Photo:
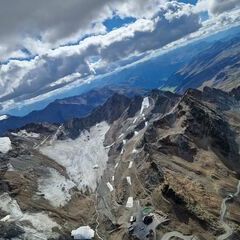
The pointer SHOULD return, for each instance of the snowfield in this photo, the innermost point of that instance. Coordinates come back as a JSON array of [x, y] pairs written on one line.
[[56, 188], [5, 144], [79, 156]]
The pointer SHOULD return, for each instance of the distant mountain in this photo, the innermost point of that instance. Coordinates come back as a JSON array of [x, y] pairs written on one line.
[[217, 66], [63, 110]]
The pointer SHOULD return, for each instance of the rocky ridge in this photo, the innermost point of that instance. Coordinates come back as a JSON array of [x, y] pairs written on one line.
[[178, 155]]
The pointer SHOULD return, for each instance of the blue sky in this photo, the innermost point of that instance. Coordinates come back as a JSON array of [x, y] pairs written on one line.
[[48, 49]]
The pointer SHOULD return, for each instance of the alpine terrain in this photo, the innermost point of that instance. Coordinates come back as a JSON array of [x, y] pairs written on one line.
[[159, 166]]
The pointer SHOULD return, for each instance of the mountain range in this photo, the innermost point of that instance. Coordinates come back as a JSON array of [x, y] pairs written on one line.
[[173, 158]]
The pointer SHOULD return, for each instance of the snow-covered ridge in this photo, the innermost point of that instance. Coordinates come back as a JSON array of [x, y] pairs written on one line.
[[5, 144], [79, 156]]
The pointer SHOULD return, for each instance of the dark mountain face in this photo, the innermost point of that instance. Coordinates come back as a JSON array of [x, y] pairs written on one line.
[[110, 111], [175, 156], [66, 109], [217, 66]]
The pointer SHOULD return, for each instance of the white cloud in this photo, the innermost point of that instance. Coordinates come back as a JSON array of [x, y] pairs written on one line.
[[36, 25], [55, 68], [216, 7]]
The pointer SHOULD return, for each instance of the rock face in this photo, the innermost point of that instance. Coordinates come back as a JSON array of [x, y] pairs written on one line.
[[174, 155]]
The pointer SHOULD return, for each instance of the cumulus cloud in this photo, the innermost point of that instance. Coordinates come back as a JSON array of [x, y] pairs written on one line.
[[25, 79], [53, 23]]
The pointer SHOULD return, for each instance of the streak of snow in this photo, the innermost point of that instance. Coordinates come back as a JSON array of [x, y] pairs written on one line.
[[145, 104], [121, 135], [129, 202], [6, 219], [110, 145], [55, 136], [146, 124], [110, 186], [3, 117], [84, 232], [130, 164], [122, 151], [42, 142], [56, 188], [116, 165], [135, 120], [5, 144], [80, 155], [113, 178], [124, 141], [129, 180]]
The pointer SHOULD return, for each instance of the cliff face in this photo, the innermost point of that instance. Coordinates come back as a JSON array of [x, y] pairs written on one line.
[[176, 156]]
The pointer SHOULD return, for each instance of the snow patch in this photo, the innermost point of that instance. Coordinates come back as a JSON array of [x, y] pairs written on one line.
[[80, 155], [6, 219], [3, 117], [134, 151], [146, 124], [145, 104], [10, 167], [130, 164], [9, 205], [84, 232], [41, 223], [113, 178], [129, 202], [116, 165], [129, 180], [135, 133], [56, 188], [5, 144], [110, 186]]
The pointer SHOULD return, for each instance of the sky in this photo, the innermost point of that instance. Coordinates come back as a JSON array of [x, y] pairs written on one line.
[[49, 47]]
